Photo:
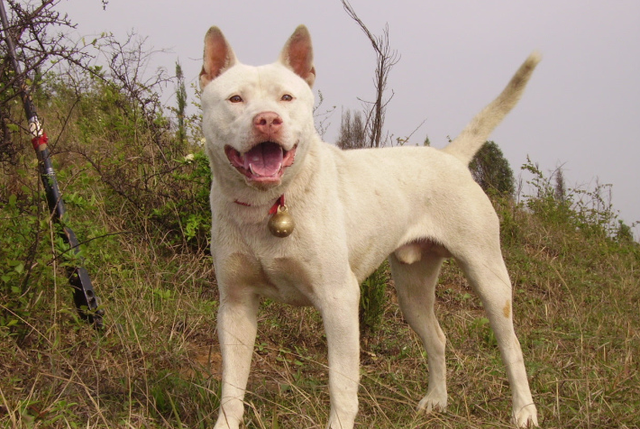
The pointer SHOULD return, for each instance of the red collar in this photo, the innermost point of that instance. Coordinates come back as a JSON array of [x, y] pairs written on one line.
[[274, 208]]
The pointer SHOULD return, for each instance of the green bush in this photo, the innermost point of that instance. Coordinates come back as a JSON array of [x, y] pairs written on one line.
[[373, 299]]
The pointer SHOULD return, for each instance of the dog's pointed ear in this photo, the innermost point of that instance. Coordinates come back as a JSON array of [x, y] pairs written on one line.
[[297, 55], [218, 56]]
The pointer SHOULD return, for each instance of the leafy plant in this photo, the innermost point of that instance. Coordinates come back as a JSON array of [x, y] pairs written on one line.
[[23, 257], [373, 299]]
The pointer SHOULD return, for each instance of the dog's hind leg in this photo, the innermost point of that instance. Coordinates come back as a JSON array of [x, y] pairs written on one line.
[[415, 284], [487, 274]]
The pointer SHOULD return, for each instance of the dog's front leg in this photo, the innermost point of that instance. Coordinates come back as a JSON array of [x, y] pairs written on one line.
[[237, 326], [339, 309]]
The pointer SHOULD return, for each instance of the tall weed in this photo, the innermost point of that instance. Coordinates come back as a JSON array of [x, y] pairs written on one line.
[[589, 211]]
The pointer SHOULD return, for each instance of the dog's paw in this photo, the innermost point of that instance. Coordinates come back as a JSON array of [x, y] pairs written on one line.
[[228, 423], [526, 417], [434, 401], [225, 425]]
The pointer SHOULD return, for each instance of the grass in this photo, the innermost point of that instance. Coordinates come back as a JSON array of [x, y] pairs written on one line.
[[157, 363]]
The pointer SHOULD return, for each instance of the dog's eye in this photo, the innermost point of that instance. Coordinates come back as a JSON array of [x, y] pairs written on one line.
[[235, 99], [287, 97]]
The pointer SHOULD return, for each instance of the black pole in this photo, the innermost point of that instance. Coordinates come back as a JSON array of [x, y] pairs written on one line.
[[84, 297]]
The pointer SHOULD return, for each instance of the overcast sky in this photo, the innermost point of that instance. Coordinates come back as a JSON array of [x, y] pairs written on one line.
[[581, 109]]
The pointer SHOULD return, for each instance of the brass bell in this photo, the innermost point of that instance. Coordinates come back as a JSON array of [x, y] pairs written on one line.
[[281, 223]]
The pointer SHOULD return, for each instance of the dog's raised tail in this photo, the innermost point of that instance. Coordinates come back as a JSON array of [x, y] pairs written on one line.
[[474, 135]]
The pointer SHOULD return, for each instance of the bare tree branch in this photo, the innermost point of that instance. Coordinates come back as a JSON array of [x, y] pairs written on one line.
[[386, 58], [31, 26]]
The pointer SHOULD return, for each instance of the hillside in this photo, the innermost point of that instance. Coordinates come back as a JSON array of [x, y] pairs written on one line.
[[136, 192]]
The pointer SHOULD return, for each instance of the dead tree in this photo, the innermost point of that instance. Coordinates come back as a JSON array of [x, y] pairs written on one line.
[[386, 58]]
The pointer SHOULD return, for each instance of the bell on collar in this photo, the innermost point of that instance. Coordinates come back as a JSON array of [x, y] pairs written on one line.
[[281, 223]]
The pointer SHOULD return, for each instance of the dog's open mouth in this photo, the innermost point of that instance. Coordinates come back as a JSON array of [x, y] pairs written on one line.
[[264, 163]]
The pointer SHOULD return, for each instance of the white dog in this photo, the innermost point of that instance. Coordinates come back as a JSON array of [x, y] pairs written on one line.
[[270, 167]]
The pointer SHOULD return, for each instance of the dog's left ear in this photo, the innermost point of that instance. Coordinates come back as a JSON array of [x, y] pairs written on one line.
[[297, 55]]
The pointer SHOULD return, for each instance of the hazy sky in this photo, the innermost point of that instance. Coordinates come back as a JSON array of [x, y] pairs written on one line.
[[581, 109]]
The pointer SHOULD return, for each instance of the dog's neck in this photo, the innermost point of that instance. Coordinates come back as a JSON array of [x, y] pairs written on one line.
[[274, 208]]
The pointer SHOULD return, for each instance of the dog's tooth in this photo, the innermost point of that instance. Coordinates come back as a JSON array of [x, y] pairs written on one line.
[[252, 170]]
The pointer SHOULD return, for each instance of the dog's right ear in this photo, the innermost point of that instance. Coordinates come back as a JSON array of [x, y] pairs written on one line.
[[218, 56]]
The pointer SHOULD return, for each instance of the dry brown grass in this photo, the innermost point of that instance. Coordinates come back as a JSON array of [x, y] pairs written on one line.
[[157, 362]]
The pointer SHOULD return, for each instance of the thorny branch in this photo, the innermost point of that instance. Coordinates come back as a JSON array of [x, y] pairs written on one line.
[[37, 50]]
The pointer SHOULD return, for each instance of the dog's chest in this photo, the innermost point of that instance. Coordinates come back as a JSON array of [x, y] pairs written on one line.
[[283, 279]]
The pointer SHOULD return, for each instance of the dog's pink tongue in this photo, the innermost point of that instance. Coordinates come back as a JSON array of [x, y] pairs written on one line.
[[264, 160]]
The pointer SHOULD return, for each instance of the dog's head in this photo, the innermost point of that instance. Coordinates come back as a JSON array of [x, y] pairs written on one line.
[[257, 120]]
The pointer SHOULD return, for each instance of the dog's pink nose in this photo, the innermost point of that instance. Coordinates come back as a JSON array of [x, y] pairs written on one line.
[[268, 123]]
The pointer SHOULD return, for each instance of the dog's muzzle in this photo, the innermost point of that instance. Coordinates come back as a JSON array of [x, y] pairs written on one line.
[[264, 163]]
